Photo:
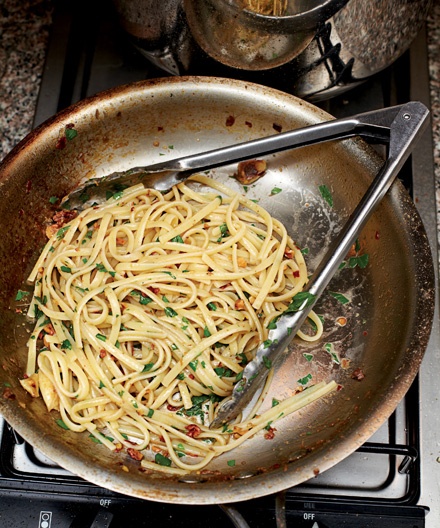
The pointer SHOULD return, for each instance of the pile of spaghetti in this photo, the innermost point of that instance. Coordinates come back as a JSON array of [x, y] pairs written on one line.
[[147, 309]]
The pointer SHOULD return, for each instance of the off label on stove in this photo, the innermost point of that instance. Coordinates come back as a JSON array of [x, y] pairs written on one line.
[[45, 519]]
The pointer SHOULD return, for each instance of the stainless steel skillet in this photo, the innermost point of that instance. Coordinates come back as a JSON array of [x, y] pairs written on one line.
[[386, 321]]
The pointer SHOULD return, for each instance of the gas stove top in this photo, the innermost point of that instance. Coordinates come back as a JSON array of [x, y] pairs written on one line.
[[391, 481]]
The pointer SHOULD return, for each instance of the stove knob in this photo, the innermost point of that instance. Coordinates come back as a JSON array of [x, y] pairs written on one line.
[[103, 519]]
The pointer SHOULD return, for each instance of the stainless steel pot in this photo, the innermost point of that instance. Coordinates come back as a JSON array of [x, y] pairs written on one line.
[[388, 318], [314, 49]]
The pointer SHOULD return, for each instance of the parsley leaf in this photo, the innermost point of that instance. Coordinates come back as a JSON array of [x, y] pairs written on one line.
[[339, 297], [301, 301], [20, 295], [326, 194], [162, 460]]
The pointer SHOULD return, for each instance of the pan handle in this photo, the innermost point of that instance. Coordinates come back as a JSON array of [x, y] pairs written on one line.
[[405, 129]]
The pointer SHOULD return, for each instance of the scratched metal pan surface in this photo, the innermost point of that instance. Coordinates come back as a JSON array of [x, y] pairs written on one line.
[[382, 330]]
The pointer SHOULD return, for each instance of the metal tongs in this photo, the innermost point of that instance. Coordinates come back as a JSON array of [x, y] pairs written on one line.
[[399, 126]]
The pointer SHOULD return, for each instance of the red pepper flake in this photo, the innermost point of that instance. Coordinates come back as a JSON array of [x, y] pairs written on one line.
[[64, 216], [28, 186], [135, 454], [193, 430], [230, 120], [102, 353], [358, 374], [270, 434], [191, 376], [296, 274], [289, 253], [248, 123], [160, 129], [61, 143], [365, 333], [339, 388], [277, 127], [172, 408], [316, 472], [377, 235], [8, 394], [154, 290]]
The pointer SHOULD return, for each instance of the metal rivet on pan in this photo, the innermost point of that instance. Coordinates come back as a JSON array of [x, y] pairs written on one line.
[[245, 475]]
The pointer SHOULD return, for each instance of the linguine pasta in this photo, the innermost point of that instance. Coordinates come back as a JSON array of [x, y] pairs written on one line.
[[147, 310]]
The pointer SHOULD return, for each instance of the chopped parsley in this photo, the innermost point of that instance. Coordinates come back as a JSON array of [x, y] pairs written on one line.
[[301, 301], [326, 194], [224, 372], [162, 460], [305, 379], [169, 312], [70, 133], [197, 403], [103, 269], [21, 295], [339, 297], [224, 232], [193, 364], [141, 297], [61, 232], [328, 347], [275, 190], [267, 362]]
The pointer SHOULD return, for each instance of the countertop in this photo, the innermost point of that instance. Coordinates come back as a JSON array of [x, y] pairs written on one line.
[[24, 33]]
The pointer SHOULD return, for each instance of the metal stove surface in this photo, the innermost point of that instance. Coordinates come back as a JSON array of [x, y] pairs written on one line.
[[392, 481]]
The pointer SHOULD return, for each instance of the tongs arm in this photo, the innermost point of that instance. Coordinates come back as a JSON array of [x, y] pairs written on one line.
[[374, 126], [407, 123]]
